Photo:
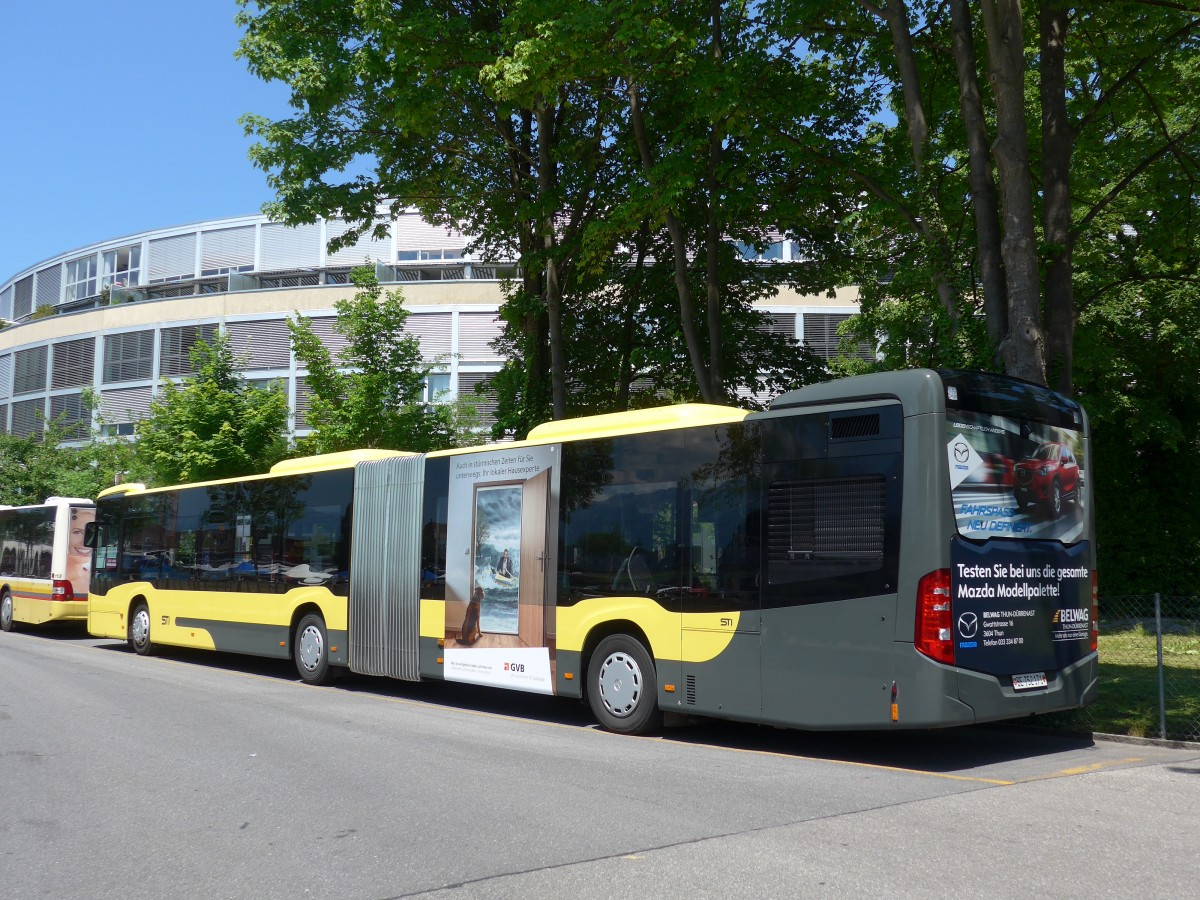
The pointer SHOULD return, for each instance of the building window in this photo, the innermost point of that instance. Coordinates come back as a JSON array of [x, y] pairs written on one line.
[[71, 416], [81, 278], [29, 370], [421, 255], [128, 357], [225, 270], [29, 418], [437, 388], [73, 363], [177, 344], [123, 266]]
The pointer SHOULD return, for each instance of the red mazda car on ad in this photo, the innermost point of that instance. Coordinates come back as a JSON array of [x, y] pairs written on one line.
[[1048, 477]]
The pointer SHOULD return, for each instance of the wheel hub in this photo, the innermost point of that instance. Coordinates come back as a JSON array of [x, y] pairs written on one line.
[[311, 648], [620, 684], [140, 627]]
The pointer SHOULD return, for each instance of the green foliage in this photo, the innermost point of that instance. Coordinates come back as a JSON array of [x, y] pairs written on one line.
[[372, 394], [39, 466], [511, 120], [212, 425]]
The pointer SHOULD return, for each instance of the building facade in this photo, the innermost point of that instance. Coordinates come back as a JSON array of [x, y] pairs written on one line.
[[119, 316]]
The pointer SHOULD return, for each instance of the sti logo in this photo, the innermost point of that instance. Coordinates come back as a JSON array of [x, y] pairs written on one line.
[[514, 667]]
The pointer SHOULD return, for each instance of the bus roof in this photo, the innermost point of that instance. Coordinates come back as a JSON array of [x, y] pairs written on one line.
[[303, 465], [919, 390], [52, 501], [658, 418]]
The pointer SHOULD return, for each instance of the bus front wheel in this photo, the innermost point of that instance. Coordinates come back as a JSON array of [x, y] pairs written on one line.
[[6, 612], [139, 630], [622, 686], [311, 650]]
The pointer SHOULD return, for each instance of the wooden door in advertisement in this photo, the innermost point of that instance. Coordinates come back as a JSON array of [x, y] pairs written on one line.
[[535, 499]]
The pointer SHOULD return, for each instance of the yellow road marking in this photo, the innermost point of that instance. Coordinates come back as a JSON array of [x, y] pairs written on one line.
[[1093, 767]]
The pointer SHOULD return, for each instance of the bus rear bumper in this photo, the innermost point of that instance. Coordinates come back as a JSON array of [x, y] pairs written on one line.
[[58, 611], [993, 699]]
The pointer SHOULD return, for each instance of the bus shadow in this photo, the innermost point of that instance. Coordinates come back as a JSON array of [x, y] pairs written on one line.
[[960, 750], [277, 669], [54, 631]]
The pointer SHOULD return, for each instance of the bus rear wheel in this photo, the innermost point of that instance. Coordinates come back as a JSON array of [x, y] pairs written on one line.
[[311, 651], [6, 612], [622, 686], [139, 630]]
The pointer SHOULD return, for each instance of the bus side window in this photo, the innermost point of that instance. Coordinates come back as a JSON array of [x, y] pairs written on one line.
[[141, 540]]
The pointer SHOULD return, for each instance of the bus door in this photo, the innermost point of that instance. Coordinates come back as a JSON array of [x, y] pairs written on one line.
[[831, 491], [720, 529]]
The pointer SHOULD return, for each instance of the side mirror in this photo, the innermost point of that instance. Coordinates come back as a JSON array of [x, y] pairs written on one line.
[[90, 532]]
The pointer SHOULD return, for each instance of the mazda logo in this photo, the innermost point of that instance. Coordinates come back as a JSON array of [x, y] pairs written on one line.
[[968, 624], [961, 452]]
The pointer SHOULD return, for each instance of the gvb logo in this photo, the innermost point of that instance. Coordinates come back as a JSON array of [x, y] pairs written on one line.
[[514, 667]]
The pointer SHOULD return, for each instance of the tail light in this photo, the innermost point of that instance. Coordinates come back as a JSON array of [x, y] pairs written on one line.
[[63, 591], [935, 628], [1095, 611]]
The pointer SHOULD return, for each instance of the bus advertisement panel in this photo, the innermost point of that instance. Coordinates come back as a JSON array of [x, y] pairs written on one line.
[[502, 506], [1021, 562]]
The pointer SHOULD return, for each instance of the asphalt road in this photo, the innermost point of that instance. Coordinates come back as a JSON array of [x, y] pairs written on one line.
[[206, 775]]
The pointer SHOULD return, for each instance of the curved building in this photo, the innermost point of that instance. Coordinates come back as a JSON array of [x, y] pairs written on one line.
[[120, 315]]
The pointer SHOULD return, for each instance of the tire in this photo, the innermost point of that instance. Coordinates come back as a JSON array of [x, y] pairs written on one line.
[[6, 612], [1055, 500], [310, 649], [139, 630], [622, 686]]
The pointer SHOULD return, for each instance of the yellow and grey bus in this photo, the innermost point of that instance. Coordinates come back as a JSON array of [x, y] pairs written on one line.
[[911, 549], [44, 562]]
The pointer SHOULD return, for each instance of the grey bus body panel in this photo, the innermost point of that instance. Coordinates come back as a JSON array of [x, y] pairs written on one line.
[[242, 637], [727, 687], [385, 568], [918, 390], [828, 665]]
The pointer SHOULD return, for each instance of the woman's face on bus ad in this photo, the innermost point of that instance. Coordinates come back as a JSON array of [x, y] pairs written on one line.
[[79, 557]]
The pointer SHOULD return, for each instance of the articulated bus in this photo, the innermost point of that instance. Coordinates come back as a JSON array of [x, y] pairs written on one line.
[[44, 562], [911, 549]]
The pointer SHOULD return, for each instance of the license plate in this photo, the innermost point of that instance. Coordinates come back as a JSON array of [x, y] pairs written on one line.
[[1028, 682]]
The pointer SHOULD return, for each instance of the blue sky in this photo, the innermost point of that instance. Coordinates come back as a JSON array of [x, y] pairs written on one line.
[[120, 118]]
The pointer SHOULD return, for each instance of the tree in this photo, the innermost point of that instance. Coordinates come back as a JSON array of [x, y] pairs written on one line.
[[399, 85], [975, 184], [213, 424], [373, 394], [526, 126], [40, 466]]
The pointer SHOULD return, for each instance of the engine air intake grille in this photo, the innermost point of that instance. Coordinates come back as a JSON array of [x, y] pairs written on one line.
[[854, 426]]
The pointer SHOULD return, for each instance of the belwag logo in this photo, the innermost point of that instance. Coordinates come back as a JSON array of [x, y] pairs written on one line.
[[1071, 616], [514, 667]]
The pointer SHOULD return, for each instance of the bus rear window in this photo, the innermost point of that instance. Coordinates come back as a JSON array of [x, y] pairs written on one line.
[[1016, 457]]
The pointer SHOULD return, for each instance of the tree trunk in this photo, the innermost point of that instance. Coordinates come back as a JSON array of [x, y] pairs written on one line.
[[551, 286], [712, 234], [983, 186], [629, 322], [1057, 143], [895, 13], [687, 310], [1023, 348]]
